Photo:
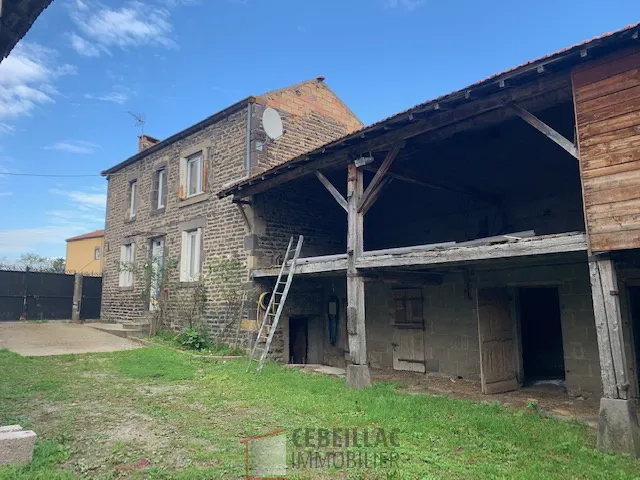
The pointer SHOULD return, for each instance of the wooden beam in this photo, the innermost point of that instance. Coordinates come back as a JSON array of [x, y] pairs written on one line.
[[245, 218], [460, 255], [332, 190], [545, 129], [443, 254], [447, 123], [377, 178], [357, 373], [402, 176], [606, 310], [374, 196]]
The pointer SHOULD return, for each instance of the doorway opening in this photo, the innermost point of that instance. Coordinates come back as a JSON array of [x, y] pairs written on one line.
[[542, 350], [298, 340], [634, 300]]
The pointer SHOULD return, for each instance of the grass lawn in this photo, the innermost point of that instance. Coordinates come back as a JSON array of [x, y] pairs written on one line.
[[159, 414]]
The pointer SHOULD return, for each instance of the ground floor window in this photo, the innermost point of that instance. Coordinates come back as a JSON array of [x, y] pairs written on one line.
[[190, 255], [127, 263]]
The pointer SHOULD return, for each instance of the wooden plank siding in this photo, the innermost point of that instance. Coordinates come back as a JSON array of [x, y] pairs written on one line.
[[606, 96]]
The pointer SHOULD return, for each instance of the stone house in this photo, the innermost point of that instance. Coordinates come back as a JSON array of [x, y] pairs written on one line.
[[161, 202], [490, 234]]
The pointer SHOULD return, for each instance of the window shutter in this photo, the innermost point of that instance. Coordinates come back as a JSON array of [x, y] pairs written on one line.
[[182, 187], [204, 174], [198, 252], [122, 274], [156, 189], [164, 187], [184, 258], [132, 263]]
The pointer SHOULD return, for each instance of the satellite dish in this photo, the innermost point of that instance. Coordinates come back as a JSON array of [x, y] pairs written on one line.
[[272, 123]]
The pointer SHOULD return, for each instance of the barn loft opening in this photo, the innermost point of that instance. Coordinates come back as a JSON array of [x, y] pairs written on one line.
[[492, 179]]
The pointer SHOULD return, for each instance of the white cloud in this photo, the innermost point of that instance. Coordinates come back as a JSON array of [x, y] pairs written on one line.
[[20, 240], [6, 129], [92, 199], [86, 48], [134, 24], [26, 79], [78, 146], [409, 5], [119, 94]]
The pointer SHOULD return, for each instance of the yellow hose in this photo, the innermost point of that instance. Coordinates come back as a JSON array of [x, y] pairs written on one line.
[[261, 303]]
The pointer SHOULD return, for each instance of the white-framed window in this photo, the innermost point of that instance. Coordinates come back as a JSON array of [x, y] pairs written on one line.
[[190, 255], [96, 253], [194, 175], [127, 263], [161, 188], [133, 198]]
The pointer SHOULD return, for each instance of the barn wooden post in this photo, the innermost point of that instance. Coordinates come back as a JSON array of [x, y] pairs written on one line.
[[618, 421], [358, 372]]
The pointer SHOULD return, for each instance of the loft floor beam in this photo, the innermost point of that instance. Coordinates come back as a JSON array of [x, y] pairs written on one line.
[[545, 129]]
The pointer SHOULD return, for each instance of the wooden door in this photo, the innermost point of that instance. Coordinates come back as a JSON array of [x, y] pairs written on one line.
[[497, 342], [408, 349], [408, 331]]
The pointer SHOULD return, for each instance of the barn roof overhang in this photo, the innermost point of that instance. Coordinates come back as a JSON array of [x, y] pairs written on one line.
[[16, 18], [447, 114]]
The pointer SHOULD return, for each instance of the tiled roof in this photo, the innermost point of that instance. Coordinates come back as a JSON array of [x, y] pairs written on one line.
[[84, 236], [608, 40]]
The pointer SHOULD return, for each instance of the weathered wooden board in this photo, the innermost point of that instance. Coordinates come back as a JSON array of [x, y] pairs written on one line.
[[607, 105], [497, 343]]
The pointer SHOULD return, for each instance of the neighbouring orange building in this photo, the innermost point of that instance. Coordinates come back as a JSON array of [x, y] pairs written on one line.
[[84, 253]]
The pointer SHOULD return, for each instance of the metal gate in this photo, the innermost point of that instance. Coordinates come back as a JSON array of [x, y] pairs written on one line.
[[45, 296], [91, 295]]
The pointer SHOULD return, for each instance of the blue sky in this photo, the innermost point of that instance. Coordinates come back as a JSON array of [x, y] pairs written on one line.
[[66, 89]]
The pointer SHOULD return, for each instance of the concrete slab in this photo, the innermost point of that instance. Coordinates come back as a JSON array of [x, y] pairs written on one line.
[[16, 445], [58, 338]]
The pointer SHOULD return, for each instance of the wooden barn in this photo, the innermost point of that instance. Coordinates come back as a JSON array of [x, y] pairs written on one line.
[[492, 234]]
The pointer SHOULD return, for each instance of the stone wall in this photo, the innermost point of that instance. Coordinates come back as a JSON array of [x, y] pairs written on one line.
[[312, 115], [224, 147], [451, 322]]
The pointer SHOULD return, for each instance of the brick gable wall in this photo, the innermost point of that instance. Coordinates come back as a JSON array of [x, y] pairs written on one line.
[[312, 115]]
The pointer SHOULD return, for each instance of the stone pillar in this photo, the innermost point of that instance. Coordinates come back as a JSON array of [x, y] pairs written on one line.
[[618, 429], [77, 298], [358, 375]]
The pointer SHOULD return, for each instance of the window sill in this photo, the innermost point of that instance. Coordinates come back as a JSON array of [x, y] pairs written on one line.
[[190, 283], [126, 289], [130, 219], [201, 197], [157, 211]]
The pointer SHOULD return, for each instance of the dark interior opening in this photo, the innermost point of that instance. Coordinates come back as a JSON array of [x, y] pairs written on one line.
[[298, 340], [481, 182], [542, 351], [634, 299]]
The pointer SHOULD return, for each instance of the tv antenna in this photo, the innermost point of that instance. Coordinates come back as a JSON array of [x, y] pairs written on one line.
[[139, 120]]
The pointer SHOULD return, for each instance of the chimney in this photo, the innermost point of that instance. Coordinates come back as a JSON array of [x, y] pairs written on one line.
[[145, 141]]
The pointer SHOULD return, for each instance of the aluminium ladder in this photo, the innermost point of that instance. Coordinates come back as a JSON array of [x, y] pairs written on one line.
[[276, 306]]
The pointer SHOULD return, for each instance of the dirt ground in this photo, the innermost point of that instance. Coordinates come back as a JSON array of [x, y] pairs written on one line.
[[553, 400], [58, 338]]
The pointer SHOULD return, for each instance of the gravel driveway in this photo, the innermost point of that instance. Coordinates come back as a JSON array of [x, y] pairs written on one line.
[[58, 338]]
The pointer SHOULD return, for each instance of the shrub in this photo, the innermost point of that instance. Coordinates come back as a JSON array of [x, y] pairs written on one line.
[[193, 339]]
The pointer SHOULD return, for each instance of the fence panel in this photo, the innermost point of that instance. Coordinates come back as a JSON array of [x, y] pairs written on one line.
[[45, 296]]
